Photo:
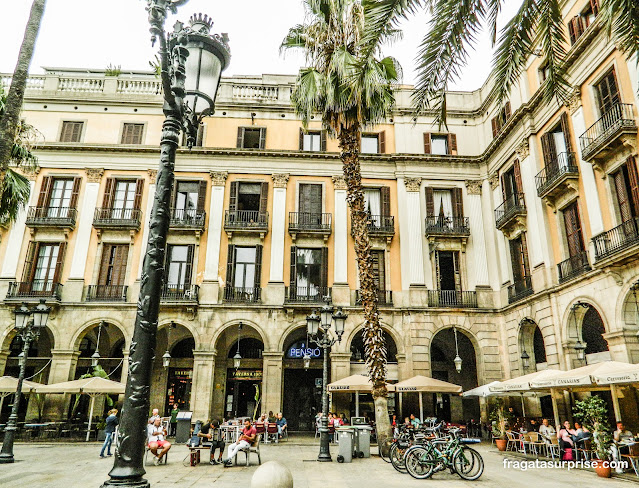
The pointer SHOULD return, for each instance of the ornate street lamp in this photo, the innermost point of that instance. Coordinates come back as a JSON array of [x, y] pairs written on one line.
[[580, 349], [457, 360], [166, 357], [28, 331], [95, 357], [237, 359], [192, 61], [318, 329], [525, 358]]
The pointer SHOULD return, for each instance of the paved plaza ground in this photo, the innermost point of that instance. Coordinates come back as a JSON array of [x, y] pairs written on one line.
[[72, 465]]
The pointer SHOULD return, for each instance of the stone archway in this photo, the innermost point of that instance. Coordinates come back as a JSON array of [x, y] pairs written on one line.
[[531, 342]]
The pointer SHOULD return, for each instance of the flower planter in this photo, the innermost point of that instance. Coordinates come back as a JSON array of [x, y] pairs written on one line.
[[501, 444], [601, 470]]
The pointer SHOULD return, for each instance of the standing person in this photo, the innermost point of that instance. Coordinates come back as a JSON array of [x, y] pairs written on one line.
[[247, 439], [173, 422], [211, 431], [157, 440], [111, 423]]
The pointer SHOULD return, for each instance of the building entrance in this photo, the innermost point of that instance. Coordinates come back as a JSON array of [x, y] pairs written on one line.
[[243, 393], [178, 389], [302, 398]]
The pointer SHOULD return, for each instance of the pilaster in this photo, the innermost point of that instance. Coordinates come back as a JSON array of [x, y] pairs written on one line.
[[211, 285], [16, 236], [63, 365], [272, 381], [340, 261], [278, 229], [202, 389]]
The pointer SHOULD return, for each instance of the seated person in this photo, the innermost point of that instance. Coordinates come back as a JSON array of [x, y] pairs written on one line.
[[622, 438], [211, 430], [546, 429], [247, 439], [281, 424], [581, 434], [407, 423], [564, 436], [271, 417], [154, 415], [157, 440], [415, 422]]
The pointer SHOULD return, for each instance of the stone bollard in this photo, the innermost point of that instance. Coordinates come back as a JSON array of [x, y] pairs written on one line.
[[272, 475]]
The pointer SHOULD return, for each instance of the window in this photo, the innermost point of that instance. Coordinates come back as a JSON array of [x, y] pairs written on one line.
[[251, 137], [440, 144], [373, 143], [43, 265], [444, 205], [132, 133], [543, 72], [58, 195], [519, 260], [309, 271], [579, 23], [312, 140], [500, 120], [377, 204], [556, 145], [179, 268], [243, 273], [626, 186], [572, 224], [511, 185], [379, 269], [122, 197], [310, 199], [199, 138], [113, 265], [608, 92], [71, 131], [447, 269]]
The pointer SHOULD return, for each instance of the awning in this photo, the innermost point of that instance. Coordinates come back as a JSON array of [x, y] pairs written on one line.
[[523, 383], [90, 386], [421, 383], [355, 383], [604, 373], [9, 384]]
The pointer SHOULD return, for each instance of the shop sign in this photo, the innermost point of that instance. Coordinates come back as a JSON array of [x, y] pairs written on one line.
[[246, 374], [300, 349]]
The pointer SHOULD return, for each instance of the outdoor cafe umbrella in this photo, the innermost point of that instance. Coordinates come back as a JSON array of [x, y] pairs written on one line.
[[94, 386], [357, 383], [521, 385], [420, 384], [9, 385]]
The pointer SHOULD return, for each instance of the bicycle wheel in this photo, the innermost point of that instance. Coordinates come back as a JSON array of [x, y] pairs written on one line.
[[419, 462], [385, 453], [468, 463], [397, 457]]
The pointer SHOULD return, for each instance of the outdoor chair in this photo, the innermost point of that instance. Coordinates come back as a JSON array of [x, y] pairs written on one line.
[[584, 447], [513, 443], [248, 450], [553, 447], [165, 458], [535, 442], [633, 457], [271, 433], [260, 428]]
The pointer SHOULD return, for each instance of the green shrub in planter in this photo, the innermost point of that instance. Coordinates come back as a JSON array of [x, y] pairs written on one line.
[[592, 412]]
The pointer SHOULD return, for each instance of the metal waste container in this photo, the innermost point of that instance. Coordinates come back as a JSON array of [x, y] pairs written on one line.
[[345, 439], [363, 440], [183, 428]]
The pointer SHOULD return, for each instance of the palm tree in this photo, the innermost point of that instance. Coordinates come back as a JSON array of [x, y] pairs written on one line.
[[349, 95], [536, 28]]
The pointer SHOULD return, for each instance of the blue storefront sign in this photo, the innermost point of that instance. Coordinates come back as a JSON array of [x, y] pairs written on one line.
[[300, 349]]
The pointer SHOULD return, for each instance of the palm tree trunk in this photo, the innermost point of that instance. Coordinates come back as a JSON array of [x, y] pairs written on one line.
[[9, 123], [373, 336]]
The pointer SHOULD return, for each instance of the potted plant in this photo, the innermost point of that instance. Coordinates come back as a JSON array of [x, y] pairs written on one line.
[[498, 422], [593, 414]]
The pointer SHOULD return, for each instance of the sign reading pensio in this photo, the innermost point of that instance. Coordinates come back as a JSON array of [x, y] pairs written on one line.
[[300, 349]]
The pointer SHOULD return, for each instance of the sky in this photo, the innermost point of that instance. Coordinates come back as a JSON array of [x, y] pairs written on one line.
[[97, 33]]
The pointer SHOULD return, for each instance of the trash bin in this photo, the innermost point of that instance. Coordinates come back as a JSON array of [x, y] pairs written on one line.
[[363, 442], [345, 445], [183, 429]]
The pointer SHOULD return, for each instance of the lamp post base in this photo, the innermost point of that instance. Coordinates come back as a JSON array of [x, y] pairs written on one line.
[[324, 452], [142, 483], [6, 458]]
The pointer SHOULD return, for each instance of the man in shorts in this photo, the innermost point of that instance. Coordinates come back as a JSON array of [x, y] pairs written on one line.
[[157, 440], [211, 431]]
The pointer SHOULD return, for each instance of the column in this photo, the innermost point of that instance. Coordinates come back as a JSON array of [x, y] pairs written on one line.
[[202, 388], [490, 232], [63, 364], [211, 285], [341, 291], [535, 224], [633, 70], [146, 217], [272, 381], [419, 281], [501, 239], [339, 367], [4, 355], [476, 254], [275, 290], [16, 235]]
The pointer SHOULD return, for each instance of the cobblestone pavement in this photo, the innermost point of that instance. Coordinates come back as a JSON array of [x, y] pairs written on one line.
[[78, 465]]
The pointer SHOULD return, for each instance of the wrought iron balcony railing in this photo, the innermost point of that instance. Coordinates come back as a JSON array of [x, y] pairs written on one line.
[[189, 218], [107, 293], [619, 118], [384, 297], [448, 226], [52, 217], [117, 218], [35, 288], [512, 206], [573, 266], [617, 239], [181, 293], [246, 220], [307, 294], [520, 290], [309, 222], [234, 294], [565, 164], [452, 299], [381, 224]]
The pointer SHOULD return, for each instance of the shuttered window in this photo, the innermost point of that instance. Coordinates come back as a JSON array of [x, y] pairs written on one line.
[[43, 264], [132, 133], [179, 266], [312, 140], [626, 183], [608, 92], [500, 120], [310, 198], [71, 131], [574, 235], [113, 264], [251, 137], [309, 270], [379, 269], [370, 144], [519, 258]]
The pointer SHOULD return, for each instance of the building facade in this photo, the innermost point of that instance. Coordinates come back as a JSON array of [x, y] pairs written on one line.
[[511, 236]]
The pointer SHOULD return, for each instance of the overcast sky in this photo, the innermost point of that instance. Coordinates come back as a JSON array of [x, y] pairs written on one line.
[[96, 33]]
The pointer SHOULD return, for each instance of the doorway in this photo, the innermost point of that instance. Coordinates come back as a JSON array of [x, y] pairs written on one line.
[[302, 398], [243, 394], [178, 389]]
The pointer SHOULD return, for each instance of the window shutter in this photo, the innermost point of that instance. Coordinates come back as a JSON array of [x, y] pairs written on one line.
[[594, 4], [503, 187], [240, 137], [45, 190], [452, 143], [233, 196], [174, 189], [548, 149], [27, 271], [230, 267], [507, 112], [382, 142], [293, 275], [515, 260], [301, 139], [633, 176], [573, 230], [430, 202], [76, 192], [139, 187], [427, 145], [201, 196], [572, 31], [457, 271], [565, 128], [323, 140], [119, 264], [579, 26], [103, 278], [188, 274], [458, 203], [524, 255], [622, 196], [109, 193], [57, 275], [495, 126], [517, 172], [324, 277], [262, 137], [258, 267], [199, 140], [264, 197], [384, 194]]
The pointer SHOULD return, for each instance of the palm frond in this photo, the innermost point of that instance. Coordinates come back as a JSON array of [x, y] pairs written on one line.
[[14, 196], [621, 18], [553, 42]]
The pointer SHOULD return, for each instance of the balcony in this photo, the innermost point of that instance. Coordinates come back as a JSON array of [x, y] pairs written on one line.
[[117, 218], [615, 130], [107, 293], [310, 224], [510, 216], [447, 227], [452, 299], [187, 219], [234, 294], [304, 294], [618, 244], [380, 226], [384, 298], [180, 294], [520, 290], [558, 182], [573, 267], [34, 289], [246, 222], [61, 217]]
